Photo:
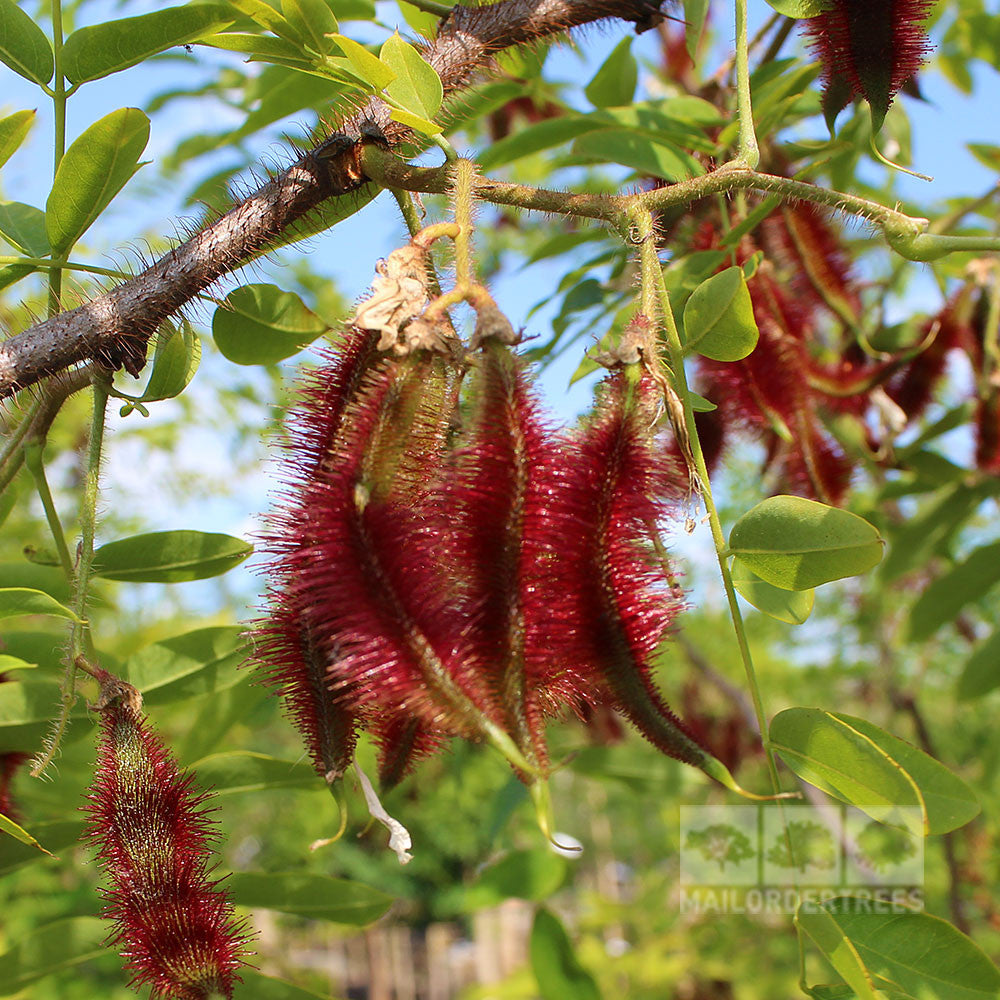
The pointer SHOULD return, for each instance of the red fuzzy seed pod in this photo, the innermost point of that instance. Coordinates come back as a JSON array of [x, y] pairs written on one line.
[[615, 602], [505, 478], [869, 49], [173, 923]]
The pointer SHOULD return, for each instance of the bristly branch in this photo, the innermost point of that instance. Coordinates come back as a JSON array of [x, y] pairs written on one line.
[[115, 327]]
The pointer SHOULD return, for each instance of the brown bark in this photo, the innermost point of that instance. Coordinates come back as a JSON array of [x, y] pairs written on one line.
[[115, 327]]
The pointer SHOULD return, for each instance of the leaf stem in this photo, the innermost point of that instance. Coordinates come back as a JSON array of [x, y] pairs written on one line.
[[79, 632], [749, 152], [33, 460], [45, 264], [675, 351]]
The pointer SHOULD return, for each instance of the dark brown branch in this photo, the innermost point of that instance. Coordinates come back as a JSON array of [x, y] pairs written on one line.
[[115, 328]]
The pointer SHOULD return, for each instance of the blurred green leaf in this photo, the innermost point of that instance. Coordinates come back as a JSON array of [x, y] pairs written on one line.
[[558, 971], [798, 8], [206, 660], [57, 835], [695, 12], [614, 83], [12, 829], [238, 771], [981, 673], [55, 946], [315, 897], [942, 601]]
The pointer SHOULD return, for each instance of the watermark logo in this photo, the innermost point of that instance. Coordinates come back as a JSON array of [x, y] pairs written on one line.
[[766, 858]]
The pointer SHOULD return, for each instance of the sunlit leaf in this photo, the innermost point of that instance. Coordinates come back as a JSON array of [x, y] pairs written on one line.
[[718, 318], [23, 45], [16, 601], [262, 325], [13, 131], [95, 168], [797, 544], [859, 763], [790, 606]]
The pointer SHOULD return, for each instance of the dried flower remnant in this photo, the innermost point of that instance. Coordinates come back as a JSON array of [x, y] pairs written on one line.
[[868, 49], [173, 923]]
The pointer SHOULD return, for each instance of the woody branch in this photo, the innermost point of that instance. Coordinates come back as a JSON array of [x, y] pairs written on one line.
[[115, 327]]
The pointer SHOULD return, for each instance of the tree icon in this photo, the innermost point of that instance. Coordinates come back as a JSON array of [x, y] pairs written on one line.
[[807, 845], [882, 847], [722, 843]]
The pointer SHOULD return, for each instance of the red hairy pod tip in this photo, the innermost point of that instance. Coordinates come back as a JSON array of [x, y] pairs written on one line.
[[173, 923], [868, 49]]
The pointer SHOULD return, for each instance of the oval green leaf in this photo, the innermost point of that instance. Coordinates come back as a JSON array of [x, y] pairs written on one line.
[[315, 897], [614, 83], [790, 606], [558, 971], [417, 87], [175, 360], [857, 762], [95, 168], [718, 318], [256, 986], [170, 556], [13, 131], [833, 942], [204, 661], [90, 53], [238, 771], [56, 946], [981, 673], [914, 953], [262, 325], [797, 544], [941, 602], [17, 601], [23, 227], [23, 45]]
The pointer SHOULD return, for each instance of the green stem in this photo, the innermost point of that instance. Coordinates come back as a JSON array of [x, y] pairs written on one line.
[[991, 331], [33, 459], [462, 194], [45, 264], [80, 630], [430, 7], [12, 454], [749, 152], [651, 263], [59, 144]]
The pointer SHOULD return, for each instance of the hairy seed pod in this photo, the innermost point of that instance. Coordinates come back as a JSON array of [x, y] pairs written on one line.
[[173, 923], [869, 49]]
